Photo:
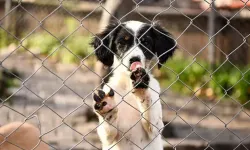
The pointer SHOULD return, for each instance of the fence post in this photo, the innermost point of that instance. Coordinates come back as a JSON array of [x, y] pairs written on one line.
[[7, 8], [211, 30]]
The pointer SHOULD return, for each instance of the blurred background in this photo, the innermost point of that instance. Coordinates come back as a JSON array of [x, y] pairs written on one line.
[[49, 70]]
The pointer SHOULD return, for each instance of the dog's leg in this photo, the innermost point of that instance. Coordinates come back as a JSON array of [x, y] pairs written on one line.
[[104, 107], [146, 90]]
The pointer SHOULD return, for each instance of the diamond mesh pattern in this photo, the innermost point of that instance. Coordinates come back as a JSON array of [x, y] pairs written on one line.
[[40, 105]]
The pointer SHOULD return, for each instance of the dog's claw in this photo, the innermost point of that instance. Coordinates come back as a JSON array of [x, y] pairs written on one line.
[[96, 97], [111, 93], [101, 94], [100, 98], [97, 106]]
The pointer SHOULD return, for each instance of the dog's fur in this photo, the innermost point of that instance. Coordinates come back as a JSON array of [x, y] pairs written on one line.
[[128, 105]]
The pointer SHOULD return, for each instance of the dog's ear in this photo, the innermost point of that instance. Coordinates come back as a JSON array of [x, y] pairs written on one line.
[[165, 45], [103, 44]]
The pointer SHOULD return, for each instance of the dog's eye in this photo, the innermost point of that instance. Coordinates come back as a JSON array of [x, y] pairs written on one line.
[[123, 40], [146, 41], [126, 38]]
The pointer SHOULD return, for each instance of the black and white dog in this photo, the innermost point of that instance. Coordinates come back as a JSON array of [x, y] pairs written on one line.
[[128, 106]]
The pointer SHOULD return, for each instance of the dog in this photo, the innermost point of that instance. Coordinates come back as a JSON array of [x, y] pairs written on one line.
[[128, 105]]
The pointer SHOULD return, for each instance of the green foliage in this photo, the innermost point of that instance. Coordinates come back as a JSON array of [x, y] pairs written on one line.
[[7, 38], [188, 74], [192, 75], [3, 39], [71, 24], [43, 42], [79, 45], [232, 82]]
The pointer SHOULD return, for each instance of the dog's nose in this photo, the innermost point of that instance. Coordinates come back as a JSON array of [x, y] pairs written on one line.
[[134, 59]]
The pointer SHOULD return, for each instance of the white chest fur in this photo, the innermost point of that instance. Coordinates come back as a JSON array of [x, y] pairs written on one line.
[[129, 126]]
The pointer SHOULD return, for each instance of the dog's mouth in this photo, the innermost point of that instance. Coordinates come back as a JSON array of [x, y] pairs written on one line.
[[135, 65], [135, 62]]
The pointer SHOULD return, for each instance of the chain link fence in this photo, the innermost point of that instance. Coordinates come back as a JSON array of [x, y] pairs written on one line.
[[209, 109]]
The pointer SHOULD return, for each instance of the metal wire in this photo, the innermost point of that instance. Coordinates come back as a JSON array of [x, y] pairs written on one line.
[[24, 82]]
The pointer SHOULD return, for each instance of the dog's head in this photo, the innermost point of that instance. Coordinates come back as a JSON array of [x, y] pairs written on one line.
[[131, 42]]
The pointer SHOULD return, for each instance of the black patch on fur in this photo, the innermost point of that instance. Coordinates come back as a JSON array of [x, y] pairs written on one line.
[[158, 41], [124, 41], [145, 35], [107, 76], [163, 43], [105, 51], [116, 41]]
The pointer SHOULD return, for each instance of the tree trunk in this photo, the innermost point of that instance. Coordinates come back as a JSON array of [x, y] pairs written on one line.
[[7, 8], [115, 9], [108, 12]]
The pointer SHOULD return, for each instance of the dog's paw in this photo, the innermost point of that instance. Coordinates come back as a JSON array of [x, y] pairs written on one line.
[[103, 102], [140, 78]]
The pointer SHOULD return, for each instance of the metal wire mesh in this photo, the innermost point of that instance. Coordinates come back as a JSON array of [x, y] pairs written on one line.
[[62, 118]]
